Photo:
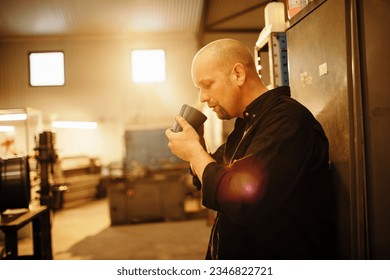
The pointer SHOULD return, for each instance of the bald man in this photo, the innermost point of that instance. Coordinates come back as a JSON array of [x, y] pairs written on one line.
[[269, 182]]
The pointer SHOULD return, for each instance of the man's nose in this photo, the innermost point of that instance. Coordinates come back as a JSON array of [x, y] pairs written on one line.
[[203, 96]]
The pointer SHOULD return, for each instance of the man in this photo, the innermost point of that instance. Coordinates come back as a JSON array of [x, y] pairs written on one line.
[[269, 182]]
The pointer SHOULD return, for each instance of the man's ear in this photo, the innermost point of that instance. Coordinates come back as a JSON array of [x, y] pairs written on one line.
[[239, 73]]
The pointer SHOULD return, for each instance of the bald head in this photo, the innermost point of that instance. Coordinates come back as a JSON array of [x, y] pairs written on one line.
[[224, 53], [226, 75]]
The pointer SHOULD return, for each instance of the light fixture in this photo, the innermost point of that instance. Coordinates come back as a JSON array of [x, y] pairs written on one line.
[[13, 117], [7, 128], [74, 124]]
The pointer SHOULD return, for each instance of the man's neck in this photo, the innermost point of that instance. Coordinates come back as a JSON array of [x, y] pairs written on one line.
[[254, 91]]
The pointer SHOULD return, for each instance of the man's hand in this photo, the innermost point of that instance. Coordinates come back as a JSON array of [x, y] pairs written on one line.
[[189, 146], [185, 143]]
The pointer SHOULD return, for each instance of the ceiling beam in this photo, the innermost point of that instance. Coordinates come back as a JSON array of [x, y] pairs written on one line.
[[203, 20], [210, 26]]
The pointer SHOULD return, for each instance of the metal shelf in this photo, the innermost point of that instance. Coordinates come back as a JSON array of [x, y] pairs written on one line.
[[271, 58]]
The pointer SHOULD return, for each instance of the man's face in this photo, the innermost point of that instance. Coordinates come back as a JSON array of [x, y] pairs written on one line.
[[215, 87]]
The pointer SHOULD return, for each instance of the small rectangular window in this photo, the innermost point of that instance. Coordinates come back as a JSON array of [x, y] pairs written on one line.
[[47, 69], [148, 66]]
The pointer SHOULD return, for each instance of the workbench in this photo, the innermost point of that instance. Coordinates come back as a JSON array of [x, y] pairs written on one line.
[[10, 224]]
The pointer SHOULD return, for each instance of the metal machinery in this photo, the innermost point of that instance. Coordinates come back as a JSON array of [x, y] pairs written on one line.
[[17, 211], [14, 183], [52, 182], [66, 181], [154, 184]]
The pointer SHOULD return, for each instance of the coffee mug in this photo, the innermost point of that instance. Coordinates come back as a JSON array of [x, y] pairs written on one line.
[[193, 116]]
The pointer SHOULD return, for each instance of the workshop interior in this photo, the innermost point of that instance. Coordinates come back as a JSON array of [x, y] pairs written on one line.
[[83, 117]]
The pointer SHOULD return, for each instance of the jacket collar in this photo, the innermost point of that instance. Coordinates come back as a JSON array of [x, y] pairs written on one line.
[[262, 102]]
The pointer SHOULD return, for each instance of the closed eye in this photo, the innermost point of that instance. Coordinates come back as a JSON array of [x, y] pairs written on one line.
[[206, 85]]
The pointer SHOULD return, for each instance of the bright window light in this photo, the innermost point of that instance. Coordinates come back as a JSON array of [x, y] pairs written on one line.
[[148, 66], [72, 124], [47, 69]]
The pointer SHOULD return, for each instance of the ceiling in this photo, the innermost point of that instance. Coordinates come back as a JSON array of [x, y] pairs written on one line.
[[31, 18]]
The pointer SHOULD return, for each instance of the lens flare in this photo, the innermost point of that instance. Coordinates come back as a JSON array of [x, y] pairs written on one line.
[[245, 184]]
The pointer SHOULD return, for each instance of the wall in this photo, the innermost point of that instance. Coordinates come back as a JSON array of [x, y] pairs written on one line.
[[375, 62], [98, 87]]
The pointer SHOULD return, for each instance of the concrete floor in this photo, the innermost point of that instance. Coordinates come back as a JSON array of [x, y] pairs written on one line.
[[86, 233]]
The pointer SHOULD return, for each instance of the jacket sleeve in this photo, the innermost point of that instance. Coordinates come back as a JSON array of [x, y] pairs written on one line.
[[218, 156]]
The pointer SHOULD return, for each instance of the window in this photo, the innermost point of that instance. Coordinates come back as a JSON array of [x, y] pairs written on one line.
[[47, 69], [148, 66]]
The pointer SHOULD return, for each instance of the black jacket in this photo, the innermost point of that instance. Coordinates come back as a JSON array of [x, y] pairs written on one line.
[[270, 185]]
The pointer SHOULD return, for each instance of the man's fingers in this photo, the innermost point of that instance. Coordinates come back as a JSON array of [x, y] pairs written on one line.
[[182, 122], [168, 132]]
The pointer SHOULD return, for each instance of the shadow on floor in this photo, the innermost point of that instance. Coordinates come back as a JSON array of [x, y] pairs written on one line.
[[181, 240]]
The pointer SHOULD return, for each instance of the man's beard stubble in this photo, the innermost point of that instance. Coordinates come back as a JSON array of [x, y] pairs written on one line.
[[222, 113]]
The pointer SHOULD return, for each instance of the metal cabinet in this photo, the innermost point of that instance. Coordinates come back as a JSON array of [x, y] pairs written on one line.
[[337, 67], [155, 197]]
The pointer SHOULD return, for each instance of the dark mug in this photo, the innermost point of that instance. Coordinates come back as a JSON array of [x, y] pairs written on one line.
[[193, 116]]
